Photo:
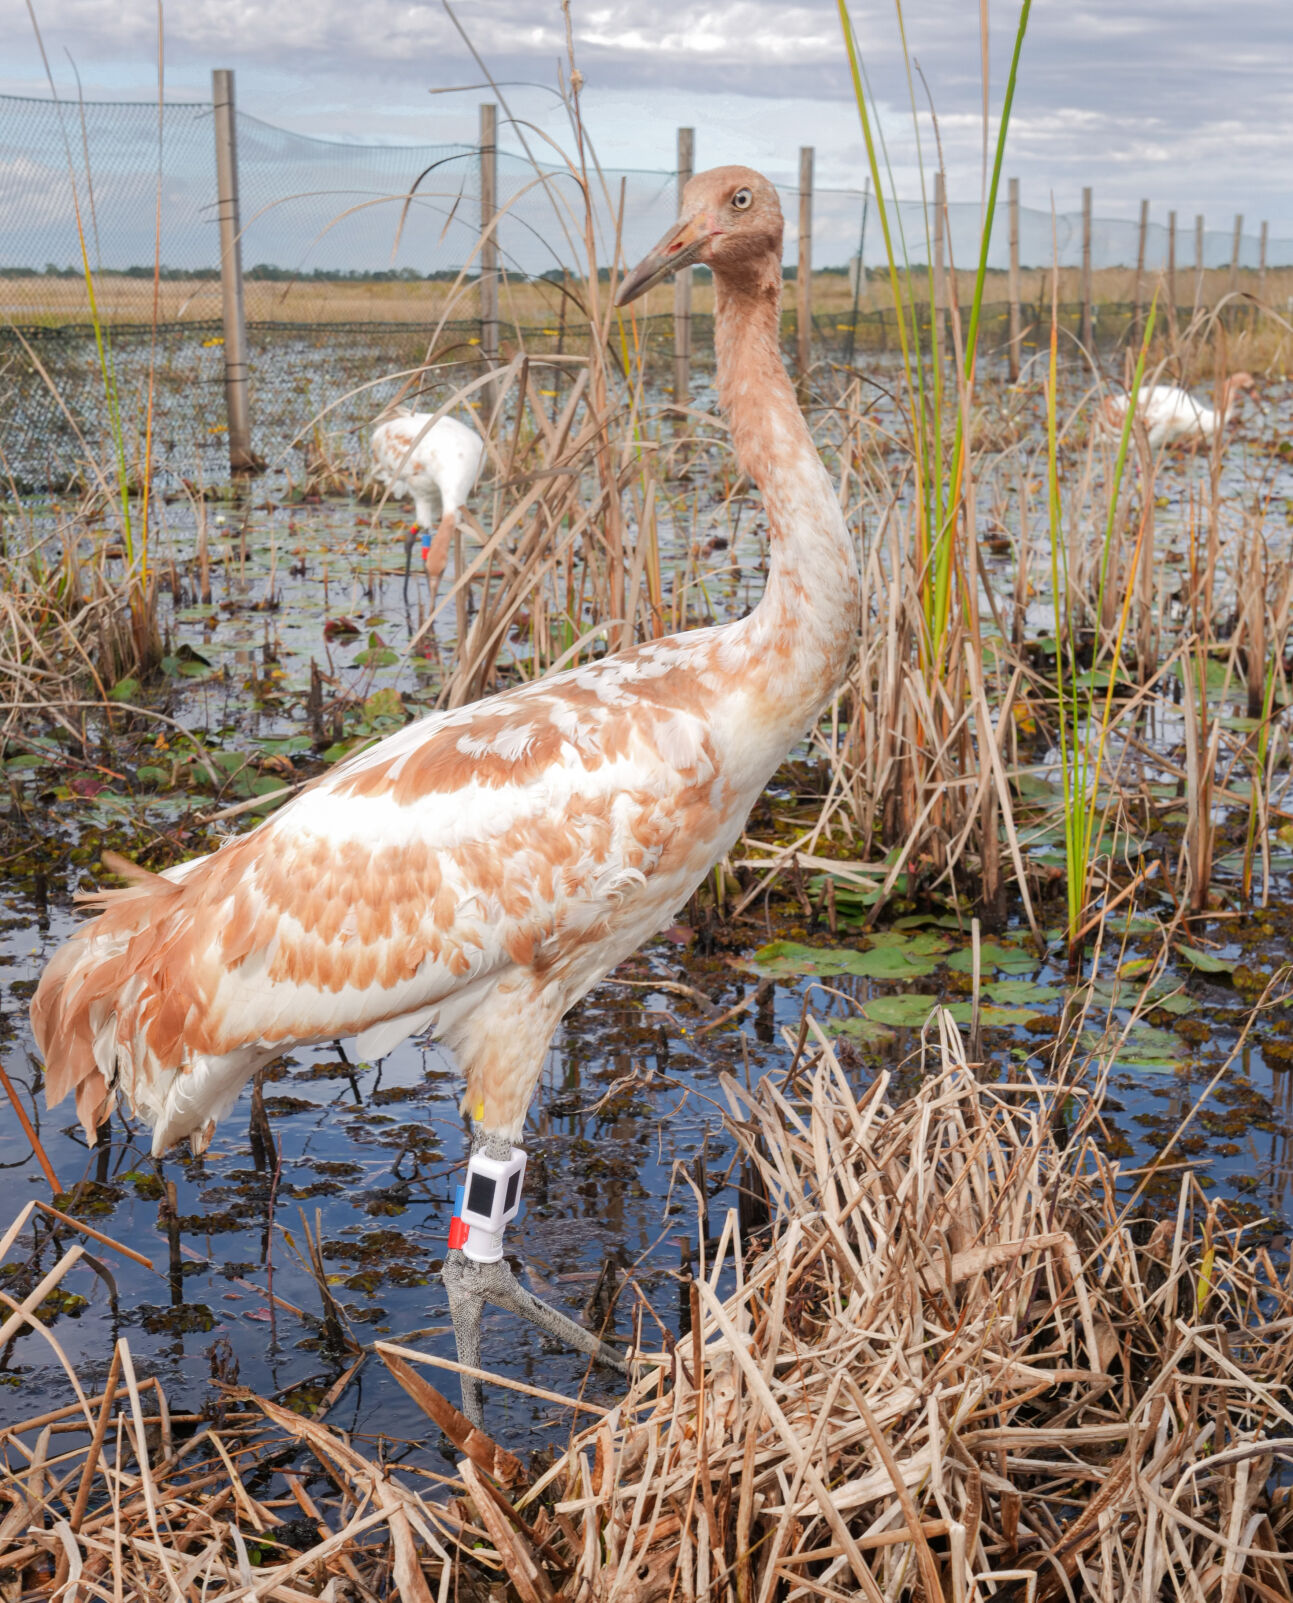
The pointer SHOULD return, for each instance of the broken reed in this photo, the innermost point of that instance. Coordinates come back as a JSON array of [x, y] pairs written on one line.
[[954, 1361]]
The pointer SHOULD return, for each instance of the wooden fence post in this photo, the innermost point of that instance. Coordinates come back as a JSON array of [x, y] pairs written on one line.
[[242, 459], [1171, 277], [1234, 252], [804, 281], [1198, 262], [859, 281], [938, 268], [682, 285], [1015, 325], [1139, 297], [1261, 262], [1088, 330], [489, 242]]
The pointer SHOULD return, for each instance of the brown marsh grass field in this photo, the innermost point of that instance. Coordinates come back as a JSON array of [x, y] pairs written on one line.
[[52, 302]]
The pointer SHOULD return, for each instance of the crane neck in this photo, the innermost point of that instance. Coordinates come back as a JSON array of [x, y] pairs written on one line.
[[803, 630]]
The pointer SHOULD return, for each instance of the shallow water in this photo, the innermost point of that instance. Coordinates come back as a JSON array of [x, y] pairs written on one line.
[[631, 1092]]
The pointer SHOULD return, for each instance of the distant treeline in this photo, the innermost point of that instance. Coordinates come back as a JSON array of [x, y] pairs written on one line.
[[266, 272], [263, 271]]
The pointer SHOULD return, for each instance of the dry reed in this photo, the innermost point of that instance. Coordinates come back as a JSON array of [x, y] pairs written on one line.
[[952, 1366]]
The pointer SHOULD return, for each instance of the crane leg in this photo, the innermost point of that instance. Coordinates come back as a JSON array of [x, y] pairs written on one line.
[[409, 539], [475, 1271]]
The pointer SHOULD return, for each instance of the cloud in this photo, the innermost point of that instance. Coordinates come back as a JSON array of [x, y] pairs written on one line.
[[1191, 106]]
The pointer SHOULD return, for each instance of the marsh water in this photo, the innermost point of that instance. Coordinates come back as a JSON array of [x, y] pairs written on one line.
[[627, 1125]]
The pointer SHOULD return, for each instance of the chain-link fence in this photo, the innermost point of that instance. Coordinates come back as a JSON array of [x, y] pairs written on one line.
[[351, 253]]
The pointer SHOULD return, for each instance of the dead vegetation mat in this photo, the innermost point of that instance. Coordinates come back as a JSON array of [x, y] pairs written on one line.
[[955, 1364]]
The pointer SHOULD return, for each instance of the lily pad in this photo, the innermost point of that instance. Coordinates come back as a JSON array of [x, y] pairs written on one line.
[[1009, 959], [1013, 992], [285, 748], [912, 1008], [385, 704], [907, 1011], [1144, 1048], [1110, 993], [1178, 1003], [1205, 962], [861, 1030], [788, 959], [922, 944]]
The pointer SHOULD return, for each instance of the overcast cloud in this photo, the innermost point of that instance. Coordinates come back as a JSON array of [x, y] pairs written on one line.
[[1189, 103]]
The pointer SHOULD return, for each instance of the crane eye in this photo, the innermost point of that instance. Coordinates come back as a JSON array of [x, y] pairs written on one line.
[[743, 199]]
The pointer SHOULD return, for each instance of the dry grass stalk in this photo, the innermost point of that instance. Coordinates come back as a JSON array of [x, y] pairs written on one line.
[[948, 1373], [948, 1370]]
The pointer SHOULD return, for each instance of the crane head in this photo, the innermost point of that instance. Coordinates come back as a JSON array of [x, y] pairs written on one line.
[[731, 221]]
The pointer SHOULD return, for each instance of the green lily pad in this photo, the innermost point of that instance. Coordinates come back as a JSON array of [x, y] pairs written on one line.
[[1009, 959], [285, 748], [1178, 1003], [1012, 992], [1000, 1018], [385, 704], [907, 1011], [1205, 962], [922, 944], [943, 921], [847, 894], [861, 1030], [1133, 924], [1121, 991], [910, 1010], [1144, 1047], [789, 959]]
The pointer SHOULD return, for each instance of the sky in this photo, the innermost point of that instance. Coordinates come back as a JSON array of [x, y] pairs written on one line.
[[1189, 104]]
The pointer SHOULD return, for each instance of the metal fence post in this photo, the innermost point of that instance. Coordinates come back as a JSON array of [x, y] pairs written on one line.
[[1234, 252], [682, 285], [242, 459], [1015, 325], [1139, 297], [804, 280], [489, 241], [1087, 326]]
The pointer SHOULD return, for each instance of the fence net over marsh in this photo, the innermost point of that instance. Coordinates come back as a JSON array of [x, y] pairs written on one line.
[[351, 252]]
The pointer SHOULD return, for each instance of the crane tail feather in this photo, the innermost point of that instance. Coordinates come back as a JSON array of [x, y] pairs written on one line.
[[88, 1011]]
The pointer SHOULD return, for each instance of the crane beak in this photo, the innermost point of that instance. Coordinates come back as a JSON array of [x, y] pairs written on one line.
[[680, 247]]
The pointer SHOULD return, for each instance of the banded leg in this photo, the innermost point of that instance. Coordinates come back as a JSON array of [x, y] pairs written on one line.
[[475, 1271]]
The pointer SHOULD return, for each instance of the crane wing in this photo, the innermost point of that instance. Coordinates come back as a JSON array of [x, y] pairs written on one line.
[[503, 835]]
